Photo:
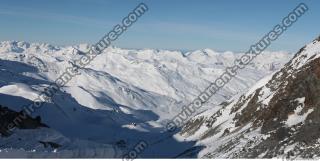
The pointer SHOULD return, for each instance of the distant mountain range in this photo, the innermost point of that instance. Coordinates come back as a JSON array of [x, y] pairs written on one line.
[[125, 96]]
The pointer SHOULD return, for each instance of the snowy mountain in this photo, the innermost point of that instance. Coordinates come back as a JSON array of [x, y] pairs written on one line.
[[276, 118], [122, 96]]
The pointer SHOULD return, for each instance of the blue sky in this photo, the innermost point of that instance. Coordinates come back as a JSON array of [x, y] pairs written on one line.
[[169, 24]]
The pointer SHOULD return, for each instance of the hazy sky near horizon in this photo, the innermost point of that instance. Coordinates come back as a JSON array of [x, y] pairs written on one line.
[[176, 24]]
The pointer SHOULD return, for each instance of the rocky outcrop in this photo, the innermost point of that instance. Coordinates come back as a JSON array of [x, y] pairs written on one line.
[[10, 119]]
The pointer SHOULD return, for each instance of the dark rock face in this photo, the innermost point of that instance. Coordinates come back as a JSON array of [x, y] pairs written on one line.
[[10, 119], [305, 83]]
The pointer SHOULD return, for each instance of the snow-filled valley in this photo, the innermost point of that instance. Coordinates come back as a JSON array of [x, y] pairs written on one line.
[[123, 96]]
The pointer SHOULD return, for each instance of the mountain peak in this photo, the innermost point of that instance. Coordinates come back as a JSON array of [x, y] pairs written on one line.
[[306, 54]]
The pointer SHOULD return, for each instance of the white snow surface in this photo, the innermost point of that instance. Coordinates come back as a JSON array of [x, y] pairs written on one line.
[[298, 116], [124, 94]]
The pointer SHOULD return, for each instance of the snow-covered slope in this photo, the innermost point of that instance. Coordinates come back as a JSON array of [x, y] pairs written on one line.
[[277, 117], [123, 93]]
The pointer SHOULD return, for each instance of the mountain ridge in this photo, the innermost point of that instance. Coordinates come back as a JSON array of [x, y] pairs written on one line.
[[277, 118]]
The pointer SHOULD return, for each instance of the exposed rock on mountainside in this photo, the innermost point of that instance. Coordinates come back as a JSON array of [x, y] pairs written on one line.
[[278, 117], [12, 119]]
